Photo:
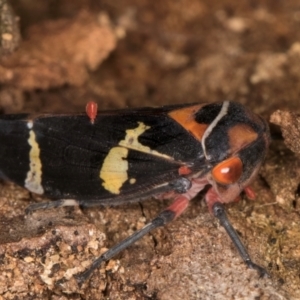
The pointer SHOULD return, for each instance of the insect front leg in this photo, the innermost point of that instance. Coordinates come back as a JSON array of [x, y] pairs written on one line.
[[218, 210], [220, 214]]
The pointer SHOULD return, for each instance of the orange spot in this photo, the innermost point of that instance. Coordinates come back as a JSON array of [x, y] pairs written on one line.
[[228, 171], [186, 118], [184, 170], [91, 110], [240, 136]]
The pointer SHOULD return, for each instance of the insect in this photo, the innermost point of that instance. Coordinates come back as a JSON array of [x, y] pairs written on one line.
[[122, 156]]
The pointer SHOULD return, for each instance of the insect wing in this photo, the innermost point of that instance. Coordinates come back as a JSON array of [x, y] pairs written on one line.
[[124, 154]]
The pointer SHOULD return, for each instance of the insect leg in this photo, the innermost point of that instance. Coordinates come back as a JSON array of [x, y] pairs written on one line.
[[166, 216], [51, 204], [219, 212], [250, 192]]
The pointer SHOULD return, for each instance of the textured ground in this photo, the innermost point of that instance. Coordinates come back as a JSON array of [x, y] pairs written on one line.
[[135, 53]]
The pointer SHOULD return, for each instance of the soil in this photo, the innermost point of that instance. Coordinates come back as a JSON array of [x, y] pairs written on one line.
[[133, 53]]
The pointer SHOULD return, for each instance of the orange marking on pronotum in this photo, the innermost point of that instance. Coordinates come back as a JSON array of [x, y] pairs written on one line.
[[91, 110], [240, 136], [186, 118]]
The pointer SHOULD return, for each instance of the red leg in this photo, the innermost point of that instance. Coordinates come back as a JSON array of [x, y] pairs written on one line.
[[250, 193], [211, 198], [166, 216], [179, 205]]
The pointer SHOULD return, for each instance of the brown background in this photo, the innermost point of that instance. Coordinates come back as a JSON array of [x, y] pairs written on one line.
[[147, 53]]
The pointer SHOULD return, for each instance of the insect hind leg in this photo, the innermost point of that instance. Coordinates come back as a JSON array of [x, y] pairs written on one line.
[[51, 204], [166, 216]]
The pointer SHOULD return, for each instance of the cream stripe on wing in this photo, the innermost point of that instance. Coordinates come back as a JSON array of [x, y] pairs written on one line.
[[33, 181]]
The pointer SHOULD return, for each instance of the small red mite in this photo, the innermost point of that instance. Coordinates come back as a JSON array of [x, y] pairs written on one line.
[[91, 110]]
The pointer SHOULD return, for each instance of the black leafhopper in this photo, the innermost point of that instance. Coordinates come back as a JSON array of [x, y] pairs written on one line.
[[120, 156]]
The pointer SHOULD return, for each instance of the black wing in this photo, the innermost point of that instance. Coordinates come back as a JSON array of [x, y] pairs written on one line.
[[125, 154]]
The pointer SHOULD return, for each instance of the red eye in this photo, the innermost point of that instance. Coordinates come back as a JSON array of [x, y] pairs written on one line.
[[228, 171]]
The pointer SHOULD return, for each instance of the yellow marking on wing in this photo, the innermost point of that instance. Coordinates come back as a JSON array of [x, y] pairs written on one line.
[[115, 166], [131, 141], [33, 181], [132, 180], [114, 169]]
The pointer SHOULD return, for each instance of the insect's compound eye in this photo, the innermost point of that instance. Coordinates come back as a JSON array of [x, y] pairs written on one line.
[[228, 171]]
